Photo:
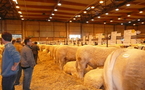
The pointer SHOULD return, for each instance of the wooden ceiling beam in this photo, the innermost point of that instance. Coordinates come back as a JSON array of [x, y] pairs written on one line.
[[139, 3], [73, 3], [61, 16], [64, 13], [37, 19], [32, 11], [132, 9], [31, 16], [67, 9], [59, 19], [132, 14], [35, 6], [41, 1]]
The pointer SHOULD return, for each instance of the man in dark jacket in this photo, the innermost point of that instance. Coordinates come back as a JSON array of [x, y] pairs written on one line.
[[27, 63], [35, 50]]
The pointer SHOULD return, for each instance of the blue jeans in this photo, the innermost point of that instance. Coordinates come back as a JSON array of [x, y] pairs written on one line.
[[8, 82], [18, 75], [27, 78]]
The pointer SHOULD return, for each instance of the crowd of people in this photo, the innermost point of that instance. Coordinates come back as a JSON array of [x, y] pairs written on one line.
[[17, 56]]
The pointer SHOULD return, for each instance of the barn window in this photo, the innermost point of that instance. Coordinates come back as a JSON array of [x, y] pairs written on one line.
[[16, 36], [74, 36]]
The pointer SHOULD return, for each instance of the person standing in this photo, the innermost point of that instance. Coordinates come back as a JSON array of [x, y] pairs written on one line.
[[10, 62], [35, 50], [18, 47], [13, 41], [27, 63]]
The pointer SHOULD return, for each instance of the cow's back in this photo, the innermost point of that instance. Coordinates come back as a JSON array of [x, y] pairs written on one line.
[[127, 72], [131, 67]]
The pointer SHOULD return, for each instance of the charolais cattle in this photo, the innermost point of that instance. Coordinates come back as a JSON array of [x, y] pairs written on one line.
[[124, 70]]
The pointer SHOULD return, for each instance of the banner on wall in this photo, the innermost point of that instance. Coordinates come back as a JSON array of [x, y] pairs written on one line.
[[127, 36], [114, 37], [84, 39], [90, 40], [99, 36]]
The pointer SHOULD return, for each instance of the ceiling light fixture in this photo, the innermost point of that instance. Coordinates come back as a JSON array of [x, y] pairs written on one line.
[[99, 17], [92, 19], [129, 22], [19, 12], [53, 14], [50, 17], [106, 13], [59, 4], [87, 21], [128, 15], [85, 12], [134, 24], [78, 15], [55, 9], [70, 21], [111, 20], [138, 19], [128, 5], [119, 18], [142, 22], [17, 7], [88, 8], [117, 9], [101, 1], [92, 7], [104, 22], [74, 18], [15, 1], [121, 23], [21, 15], [22, 18], [48, 20], [141, 11]]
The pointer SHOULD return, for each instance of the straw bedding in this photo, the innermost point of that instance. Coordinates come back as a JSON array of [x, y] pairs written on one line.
[[48, 76]]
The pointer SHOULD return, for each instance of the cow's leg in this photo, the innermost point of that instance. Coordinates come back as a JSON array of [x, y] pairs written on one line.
[[80, 66], [62, 62]]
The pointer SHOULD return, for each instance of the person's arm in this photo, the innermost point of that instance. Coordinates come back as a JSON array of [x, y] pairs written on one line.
[[14, 67], [16, 59]]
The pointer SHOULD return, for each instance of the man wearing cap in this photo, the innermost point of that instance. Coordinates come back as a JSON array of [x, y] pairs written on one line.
[[10, 61]]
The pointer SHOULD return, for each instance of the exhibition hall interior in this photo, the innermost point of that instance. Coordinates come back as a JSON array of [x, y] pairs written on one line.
[[83, 44]]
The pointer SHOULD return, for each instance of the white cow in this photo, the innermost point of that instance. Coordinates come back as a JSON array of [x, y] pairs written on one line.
[[70, 68], [65, 53], [94, 78], [92, 56], [124, 70]]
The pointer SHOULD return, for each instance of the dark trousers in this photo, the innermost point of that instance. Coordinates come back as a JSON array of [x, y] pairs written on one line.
[[27, 78], [18, 75], [8, 82], [35, 57]]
